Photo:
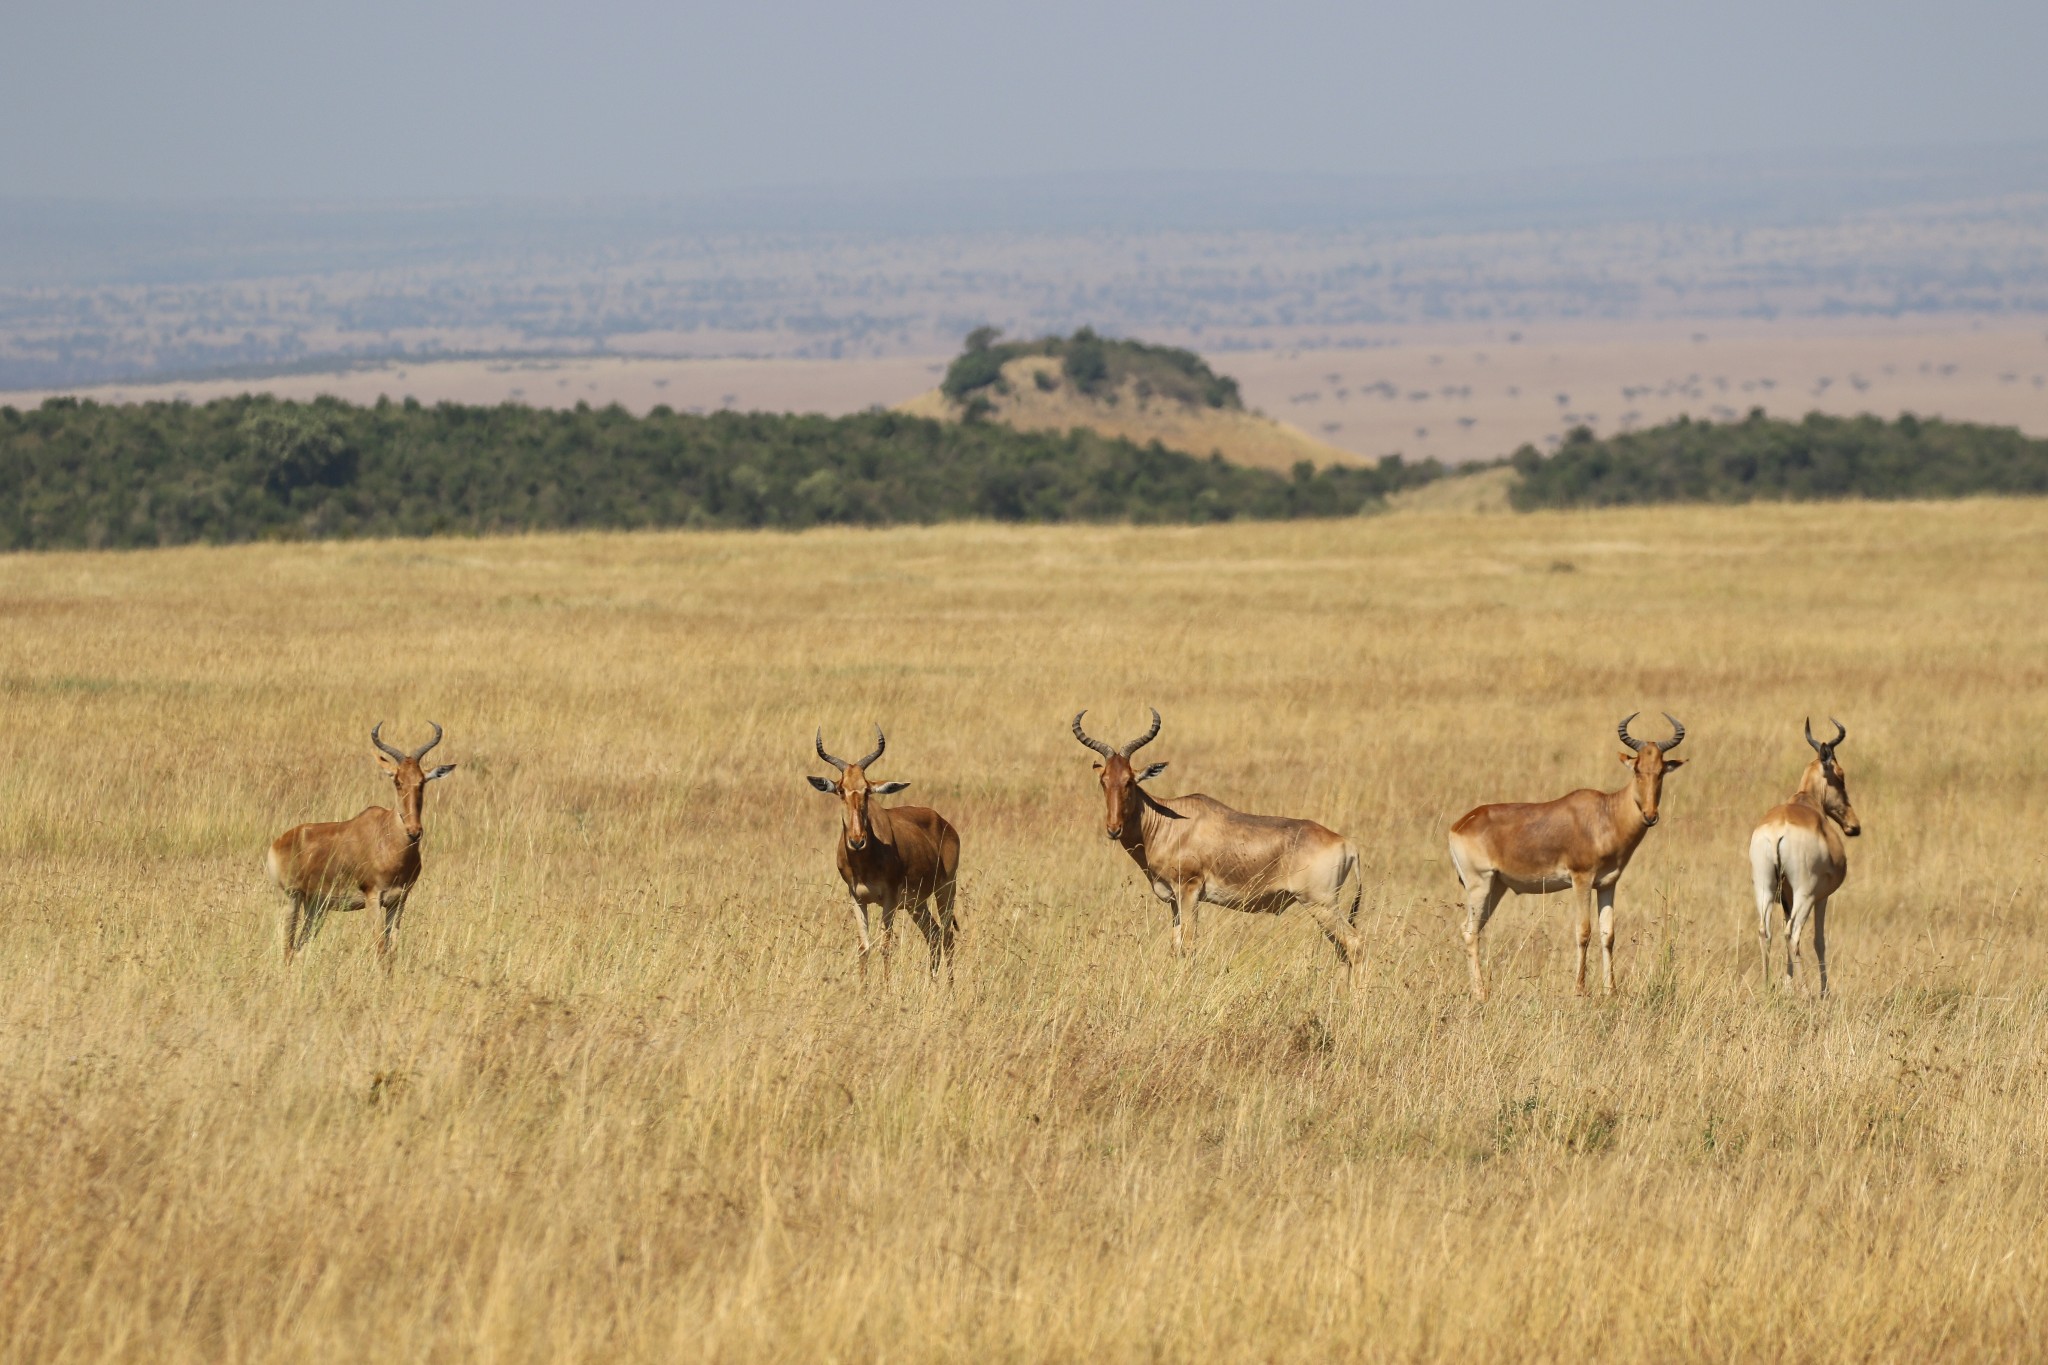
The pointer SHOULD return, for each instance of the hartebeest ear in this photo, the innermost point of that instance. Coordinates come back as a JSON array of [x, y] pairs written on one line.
[[442, 771], [1671, 763], [1628, 760], [823, 784], [1152, 772], [385, 763], [888, 788]]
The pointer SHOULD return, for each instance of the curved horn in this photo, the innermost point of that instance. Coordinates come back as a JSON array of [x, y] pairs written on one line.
[[1825, 749], [377, 739], [1142, 740], [1635, 746], [421, 752], [881, 743], [1841, 732], [1097, 745], [1665, 746], [838, 763]]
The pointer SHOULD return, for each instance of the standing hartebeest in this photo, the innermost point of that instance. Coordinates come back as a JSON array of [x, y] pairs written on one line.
[[1582, 841], [898, 857], [1798, 860], [372, 860], [1194, 849]]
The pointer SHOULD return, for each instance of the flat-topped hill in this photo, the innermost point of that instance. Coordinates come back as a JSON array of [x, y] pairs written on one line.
[[1128, 389]]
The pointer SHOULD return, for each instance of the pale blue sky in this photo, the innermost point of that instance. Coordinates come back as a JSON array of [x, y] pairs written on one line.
[[433, 97]]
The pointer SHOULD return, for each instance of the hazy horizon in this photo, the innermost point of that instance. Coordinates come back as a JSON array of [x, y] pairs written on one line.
[[229, 98]]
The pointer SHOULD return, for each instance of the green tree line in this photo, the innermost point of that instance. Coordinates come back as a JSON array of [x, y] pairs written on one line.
[[76, 474], [1761, 458]]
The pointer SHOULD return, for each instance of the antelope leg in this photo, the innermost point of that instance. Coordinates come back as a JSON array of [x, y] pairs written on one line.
[[1582, 893], [1606, 896], [1482, 898], [1820, 940], [860, 925]]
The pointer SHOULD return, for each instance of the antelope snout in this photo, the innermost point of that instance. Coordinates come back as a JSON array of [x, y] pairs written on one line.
[[1649, 819]]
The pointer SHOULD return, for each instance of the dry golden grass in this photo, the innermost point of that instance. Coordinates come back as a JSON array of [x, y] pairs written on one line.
[[624, 1099]]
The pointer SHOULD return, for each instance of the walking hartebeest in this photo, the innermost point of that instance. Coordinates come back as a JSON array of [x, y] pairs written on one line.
[[371, 860], [895, 857], [1582, 841], [1797, 858], [1194, 849]]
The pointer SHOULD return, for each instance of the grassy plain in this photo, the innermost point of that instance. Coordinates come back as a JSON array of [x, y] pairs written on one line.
[[624, 1098]]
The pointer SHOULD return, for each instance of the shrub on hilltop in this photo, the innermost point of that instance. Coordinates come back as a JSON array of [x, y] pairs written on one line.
[[1094, 365]]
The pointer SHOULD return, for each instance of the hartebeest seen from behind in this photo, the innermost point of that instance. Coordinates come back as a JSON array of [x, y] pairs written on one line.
[[898, 858], [1194, 849], [372, 860], [1580, 842], [1797, 858]]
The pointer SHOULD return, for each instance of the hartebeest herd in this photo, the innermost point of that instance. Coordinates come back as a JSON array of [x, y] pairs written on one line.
[[1191, 849]]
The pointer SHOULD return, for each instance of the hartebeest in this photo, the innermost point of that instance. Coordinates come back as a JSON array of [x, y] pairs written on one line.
[[1581, 842], [372, 860], [1797, 858], [900, 857], [1194, 849]]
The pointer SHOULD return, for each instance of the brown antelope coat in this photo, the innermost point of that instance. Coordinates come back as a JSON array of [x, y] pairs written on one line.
[[903, 857], [1581, 842], [1194, 849], [1798, 857], [372, 860]]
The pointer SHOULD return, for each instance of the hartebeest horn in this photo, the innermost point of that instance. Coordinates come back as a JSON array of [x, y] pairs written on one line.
[[1142, 740], [881, 743], [838, 763], [1097, 745], [377, 739], [421, 752], [1664, 746], [1827, 749]]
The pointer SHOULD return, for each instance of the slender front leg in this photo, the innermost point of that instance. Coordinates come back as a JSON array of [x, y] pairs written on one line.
[[1820, 941], [888, 938], [860, 926], [394, 912], [1481, 899], [1187, 901], [1606, 894], [1582, 892]]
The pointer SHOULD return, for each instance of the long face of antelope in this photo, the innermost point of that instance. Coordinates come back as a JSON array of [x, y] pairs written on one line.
[[1650, 765], [1648, 762], [853, 808], [411, 779], [1119, 794], [1835, 798], [853, 789]]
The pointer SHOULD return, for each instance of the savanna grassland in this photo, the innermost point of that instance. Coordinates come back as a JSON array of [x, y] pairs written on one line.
[[624, 1096]]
